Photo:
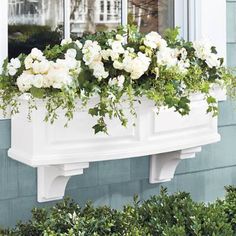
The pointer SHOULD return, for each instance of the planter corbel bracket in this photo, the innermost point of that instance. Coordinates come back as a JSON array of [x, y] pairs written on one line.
[[52, 180], [163, 166]]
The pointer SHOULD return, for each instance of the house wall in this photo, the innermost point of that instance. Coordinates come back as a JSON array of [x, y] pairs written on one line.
[[115, 182]]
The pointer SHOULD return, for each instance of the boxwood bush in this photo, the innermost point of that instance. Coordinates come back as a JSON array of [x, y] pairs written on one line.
[[169, 215]]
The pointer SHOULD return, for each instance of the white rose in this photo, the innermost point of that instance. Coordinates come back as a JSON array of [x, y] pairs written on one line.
[[66, 41], [36, 54], [202, 49], [151, 39], [118, 65], [38, 81], [71, 53]]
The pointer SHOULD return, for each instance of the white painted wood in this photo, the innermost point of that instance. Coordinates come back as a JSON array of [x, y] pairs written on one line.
[[3, 30], [163, 166], [210, 23], [67, 11], [61, 152]]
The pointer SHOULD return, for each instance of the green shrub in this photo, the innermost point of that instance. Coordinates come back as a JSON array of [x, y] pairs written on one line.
[[22, 38], [167, 215]]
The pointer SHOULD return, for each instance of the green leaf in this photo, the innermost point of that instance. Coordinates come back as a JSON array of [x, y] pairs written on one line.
[[37, 92]]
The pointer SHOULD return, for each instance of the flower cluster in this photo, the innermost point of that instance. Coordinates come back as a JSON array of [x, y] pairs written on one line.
[[42, 73], [122, 64]]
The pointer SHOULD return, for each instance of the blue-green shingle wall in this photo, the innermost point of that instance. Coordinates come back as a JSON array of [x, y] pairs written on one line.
[[115, 182]]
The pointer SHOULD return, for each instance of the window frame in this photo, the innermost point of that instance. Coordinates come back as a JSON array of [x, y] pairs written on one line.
[[190, 15]]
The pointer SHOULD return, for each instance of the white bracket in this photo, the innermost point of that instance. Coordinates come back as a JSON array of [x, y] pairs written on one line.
[[52, 180], [163, 166]]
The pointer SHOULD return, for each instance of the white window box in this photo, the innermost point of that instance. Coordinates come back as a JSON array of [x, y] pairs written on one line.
[[60, 152]]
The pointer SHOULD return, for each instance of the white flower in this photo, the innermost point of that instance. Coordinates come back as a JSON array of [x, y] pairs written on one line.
[[120, 38], [28, 62], [167, 57], [71, 53], [41, 67], [117, 81], [99, 70], [118, 65], [79, 44], [66, 41], [117, 47], [154, 40], [36, 54], [24, 81], [202, 49], [106, 54], [91, 51], [38, 81], [11, 70], [212, 60], [15, 62]]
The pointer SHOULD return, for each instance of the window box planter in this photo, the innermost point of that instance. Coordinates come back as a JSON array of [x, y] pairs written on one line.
[[60, 152]]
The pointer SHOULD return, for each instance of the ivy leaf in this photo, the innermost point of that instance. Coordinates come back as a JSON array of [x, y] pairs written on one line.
[[37, 92]]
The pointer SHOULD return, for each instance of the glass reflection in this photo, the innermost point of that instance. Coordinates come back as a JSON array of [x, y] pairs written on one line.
[[34, 23]]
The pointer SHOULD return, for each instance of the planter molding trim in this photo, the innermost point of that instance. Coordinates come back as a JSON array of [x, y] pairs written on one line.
[[59, 153]]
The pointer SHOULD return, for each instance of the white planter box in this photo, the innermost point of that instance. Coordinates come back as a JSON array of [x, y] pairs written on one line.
[[60, 152]]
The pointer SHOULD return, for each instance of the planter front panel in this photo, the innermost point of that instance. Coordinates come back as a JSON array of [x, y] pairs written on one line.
[[46, 144]]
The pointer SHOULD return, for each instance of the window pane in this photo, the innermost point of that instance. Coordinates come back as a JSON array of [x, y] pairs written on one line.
[[34, 23], [90, 16], [151, 15]]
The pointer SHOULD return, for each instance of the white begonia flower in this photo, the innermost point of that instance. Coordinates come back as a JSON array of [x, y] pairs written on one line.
[[11, 70], [136, 66], [71, 53], [202, 49], [117, 81], [117, 47], [154, 40], [38, 81], [41, 67], [118, 65], [37, 54], [114, 56], [167, 57], [99, 70], [79, 44], [15, 62], [106, 54], [24, 81], [120, 38], [212, 60], [66, 41], [28, 62], [91, 51]]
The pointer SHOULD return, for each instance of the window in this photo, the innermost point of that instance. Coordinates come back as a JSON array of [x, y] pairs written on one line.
[[46, 22]]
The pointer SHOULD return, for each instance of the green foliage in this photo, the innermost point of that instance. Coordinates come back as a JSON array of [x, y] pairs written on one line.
[[161, 215]]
